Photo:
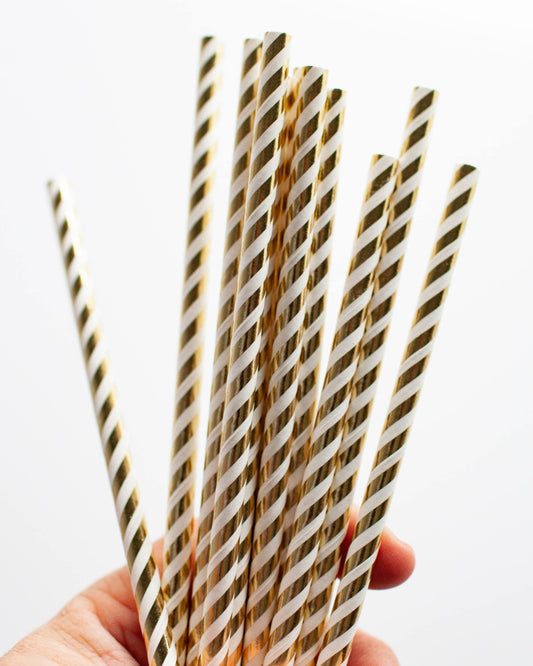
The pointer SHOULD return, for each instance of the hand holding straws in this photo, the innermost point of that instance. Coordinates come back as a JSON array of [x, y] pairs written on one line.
[[282, 458]]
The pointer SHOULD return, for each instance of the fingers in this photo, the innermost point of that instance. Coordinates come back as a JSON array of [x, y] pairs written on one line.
[[112, 601], [158, 551], [370, 651], [395, 560], [394, 564]]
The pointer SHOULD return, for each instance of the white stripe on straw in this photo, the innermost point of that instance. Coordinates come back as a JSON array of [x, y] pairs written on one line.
[[364, 547], [144, 576], [310, 511], [411, 161], [285, 359], [178, 545], [245, 346]]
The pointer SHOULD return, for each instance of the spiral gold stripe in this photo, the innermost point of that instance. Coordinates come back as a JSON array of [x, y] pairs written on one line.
[[308, 377], [257, 435], [411, 162], [286, 351], [310, 511], [145, 582], [178, 547], [412, 156], [230, 265], [244, 350], [363, 549]]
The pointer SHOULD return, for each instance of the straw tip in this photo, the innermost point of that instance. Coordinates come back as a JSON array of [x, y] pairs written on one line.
[[314, 71], [272, 36], [252, 43], [422, 91], [336, 100], [211, 46], [462, 170], [56, 184], [53, 187]]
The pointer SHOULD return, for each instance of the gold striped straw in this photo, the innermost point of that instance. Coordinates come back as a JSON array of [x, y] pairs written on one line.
[[178, 546], [286, 351], [284, 185], [274, 263], [363, 549], [228, 287], [308, 377], [245, 541], [144, 576], [334, 398], [274, 260], [244, 350], [412, 156]]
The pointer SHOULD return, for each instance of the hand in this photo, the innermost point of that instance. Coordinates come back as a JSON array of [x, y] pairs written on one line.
[[100, 625]]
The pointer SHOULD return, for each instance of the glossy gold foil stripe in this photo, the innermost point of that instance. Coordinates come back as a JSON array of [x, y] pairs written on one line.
[[263, 371], [239, 183], [411, 161], [144, 576], [310, 511], [308, 376], [286, 351], [245, 346], [178, 547], [238, 187], [371, 521]]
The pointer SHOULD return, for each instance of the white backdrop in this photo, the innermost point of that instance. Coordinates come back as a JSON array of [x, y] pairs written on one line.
[[102, 92]]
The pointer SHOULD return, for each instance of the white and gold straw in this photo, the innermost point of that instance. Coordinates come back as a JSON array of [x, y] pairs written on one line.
[[228, 288], [178, 545], [274, 261], [281, 457], [144, 576], [411, 162], [244, 350], [263, 369], [364, 547], [315, 312], [325, 440], [285, 359]]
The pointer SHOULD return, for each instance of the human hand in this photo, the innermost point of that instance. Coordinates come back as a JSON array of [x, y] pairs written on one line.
[[101, 626]]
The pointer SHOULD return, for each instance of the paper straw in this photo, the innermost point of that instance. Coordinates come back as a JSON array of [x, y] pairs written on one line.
[[334, 398], [284, 180], [412, 156], [245, 346], [257, 435], [228, 287], [178, 547], [286, 351], [363, 549], [308, 377], [274, 260], [144, 576], [278, 230]]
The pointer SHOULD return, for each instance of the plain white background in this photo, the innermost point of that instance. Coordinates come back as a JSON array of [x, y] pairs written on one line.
[[102, 93]]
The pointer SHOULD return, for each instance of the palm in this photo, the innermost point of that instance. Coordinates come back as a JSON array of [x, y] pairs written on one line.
[[100, 626]]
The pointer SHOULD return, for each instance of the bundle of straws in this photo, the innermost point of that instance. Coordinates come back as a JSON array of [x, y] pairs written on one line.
[[282, 453]]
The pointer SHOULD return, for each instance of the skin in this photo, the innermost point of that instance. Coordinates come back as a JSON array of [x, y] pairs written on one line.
[[100, 625]]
